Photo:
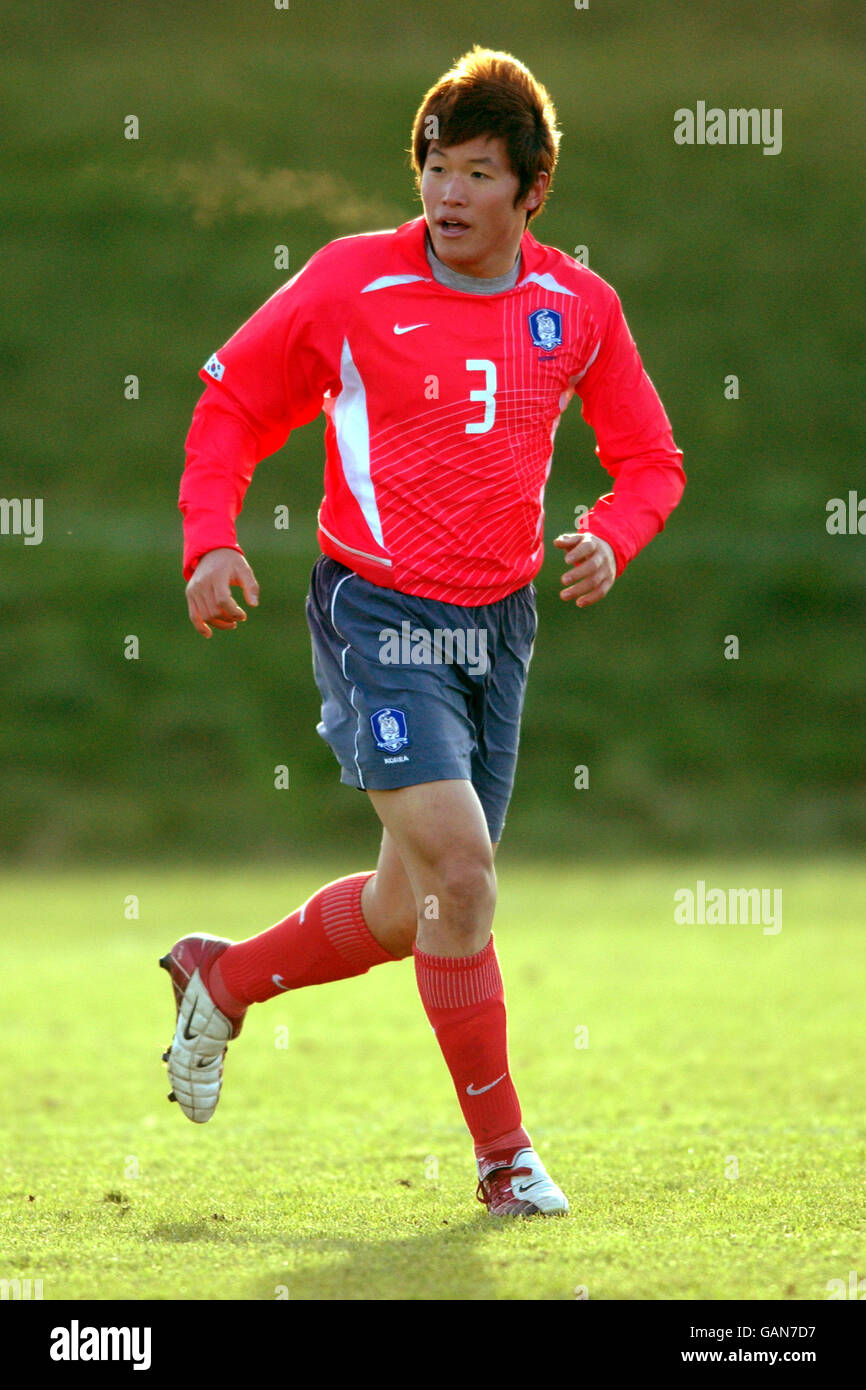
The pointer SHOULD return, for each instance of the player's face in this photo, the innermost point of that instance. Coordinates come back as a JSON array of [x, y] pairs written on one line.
[[468, 192]]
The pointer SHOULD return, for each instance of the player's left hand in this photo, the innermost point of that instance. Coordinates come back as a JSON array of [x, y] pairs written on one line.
[[593, 567]]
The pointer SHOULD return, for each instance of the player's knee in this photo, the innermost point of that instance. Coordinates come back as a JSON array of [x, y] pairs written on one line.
[[467, 886]]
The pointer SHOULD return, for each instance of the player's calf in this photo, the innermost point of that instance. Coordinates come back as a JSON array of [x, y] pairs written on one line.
[[391, 917]]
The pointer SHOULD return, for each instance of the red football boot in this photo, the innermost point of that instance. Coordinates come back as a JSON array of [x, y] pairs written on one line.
[[518, 1186], [202, 1032]]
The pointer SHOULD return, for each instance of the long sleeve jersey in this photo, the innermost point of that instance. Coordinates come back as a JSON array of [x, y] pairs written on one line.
[[440, 408]]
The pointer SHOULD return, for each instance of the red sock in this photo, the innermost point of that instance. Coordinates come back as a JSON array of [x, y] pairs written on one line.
[[325, 939], [464, 999]]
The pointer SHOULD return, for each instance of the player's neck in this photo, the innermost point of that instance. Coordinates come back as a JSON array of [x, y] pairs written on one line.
[[471, 284]]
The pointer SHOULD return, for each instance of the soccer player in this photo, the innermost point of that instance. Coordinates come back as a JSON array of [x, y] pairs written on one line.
[[443, 354]]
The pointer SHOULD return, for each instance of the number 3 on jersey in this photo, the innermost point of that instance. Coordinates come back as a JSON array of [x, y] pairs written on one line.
[[487, 394]]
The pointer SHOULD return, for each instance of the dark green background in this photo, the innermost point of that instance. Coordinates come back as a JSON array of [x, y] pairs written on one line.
[[144, 256]]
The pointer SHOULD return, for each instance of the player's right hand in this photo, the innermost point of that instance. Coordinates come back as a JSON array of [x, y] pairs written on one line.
[[208, 593]]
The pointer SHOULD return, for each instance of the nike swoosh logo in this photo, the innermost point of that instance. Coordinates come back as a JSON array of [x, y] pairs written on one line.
[[187, 1034], [479, 1090], [278, 981], [524, 1187], [398, 329], [204, 1061]]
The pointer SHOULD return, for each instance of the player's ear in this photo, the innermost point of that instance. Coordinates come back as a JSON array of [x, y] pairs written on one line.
[[535, 196]]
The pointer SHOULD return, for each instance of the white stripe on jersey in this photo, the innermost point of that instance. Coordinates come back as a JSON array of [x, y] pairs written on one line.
[[365, 554], [547, 282], [353, 440], [386, 281], [573, 380]]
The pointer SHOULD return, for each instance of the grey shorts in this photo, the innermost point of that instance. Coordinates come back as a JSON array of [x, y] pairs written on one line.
[[414, 690]]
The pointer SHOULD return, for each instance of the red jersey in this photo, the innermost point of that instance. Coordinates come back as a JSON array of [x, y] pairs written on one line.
[[441, 408]]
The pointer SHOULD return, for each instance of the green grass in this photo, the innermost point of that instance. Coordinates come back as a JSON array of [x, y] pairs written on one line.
[[704, 1043]]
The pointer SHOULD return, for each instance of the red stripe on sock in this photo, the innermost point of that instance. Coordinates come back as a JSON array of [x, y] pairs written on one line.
[[344, 926], [453, 982]]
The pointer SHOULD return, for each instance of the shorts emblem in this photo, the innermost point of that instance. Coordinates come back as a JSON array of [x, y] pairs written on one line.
[[389, 729]]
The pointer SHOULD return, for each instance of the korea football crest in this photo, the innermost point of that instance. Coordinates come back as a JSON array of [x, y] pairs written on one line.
[[389, 729], [545, 327]]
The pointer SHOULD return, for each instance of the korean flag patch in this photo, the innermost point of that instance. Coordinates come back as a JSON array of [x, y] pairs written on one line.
[[214, 367], [545, 326], [389, 729]]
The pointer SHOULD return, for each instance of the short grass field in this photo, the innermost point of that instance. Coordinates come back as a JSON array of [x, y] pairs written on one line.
[[710, 1134]]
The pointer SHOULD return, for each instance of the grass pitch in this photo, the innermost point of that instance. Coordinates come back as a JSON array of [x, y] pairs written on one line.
[[695, 1090]]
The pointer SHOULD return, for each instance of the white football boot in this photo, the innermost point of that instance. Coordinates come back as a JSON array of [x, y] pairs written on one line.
[[202, 1032], [520, 1186]]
